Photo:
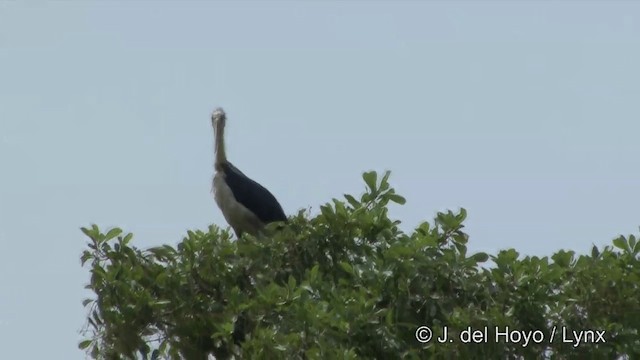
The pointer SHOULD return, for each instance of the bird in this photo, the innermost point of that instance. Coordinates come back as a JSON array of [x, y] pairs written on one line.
[[245, 204]]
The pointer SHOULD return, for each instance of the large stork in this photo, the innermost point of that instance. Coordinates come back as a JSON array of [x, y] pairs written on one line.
[[246, 205]]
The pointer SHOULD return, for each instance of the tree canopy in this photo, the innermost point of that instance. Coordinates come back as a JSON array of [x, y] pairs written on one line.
[[349, 284]]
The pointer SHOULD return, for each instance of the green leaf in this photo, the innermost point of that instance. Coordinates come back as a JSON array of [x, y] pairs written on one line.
[[127, 238], [480, 257], [84, 344], [86, 231], [346, 267], [384, 183], [462, 215], [326, 211], [355, 203], [563, 258], [93, 233], [113, 233], [86, 255], [389, 317], [340, 208], [423, 228], [620, 243], [370, 179], [397, 199], [313, 274], [227, 327]]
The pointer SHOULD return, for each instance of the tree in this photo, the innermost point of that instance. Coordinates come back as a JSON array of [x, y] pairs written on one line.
[[348, 284]]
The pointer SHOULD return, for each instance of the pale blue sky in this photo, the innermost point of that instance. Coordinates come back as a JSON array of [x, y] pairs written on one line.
[[524, 113]]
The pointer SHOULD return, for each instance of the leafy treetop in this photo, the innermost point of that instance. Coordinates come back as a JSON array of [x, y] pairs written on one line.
[[348, 284]]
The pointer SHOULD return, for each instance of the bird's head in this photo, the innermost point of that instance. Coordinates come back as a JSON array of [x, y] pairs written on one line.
[[218, 118]]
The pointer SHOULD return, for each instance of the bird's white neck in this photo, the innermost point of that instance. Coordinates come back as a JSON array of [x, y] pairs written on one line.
[[221, 156]]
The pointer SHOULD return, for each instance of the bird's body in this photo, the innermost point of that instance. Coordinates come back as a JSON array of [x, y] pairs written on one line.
[[246, 205]]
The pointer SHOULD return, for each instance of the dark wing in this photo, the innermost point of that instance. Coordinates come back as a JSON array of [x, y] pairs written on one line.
[[253, 195]]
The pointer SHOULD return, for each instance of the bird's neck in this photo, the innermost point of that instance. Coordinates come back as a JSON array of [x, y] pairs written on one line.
[[221, 156]]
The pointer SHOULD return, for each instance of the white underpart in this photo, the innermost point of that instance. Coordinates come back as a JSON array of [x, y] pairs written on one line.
[[237, 215]]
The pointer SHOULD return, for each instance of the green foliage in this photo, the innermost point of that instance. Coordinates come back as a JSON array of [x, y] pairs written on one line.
[[348, 284]]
